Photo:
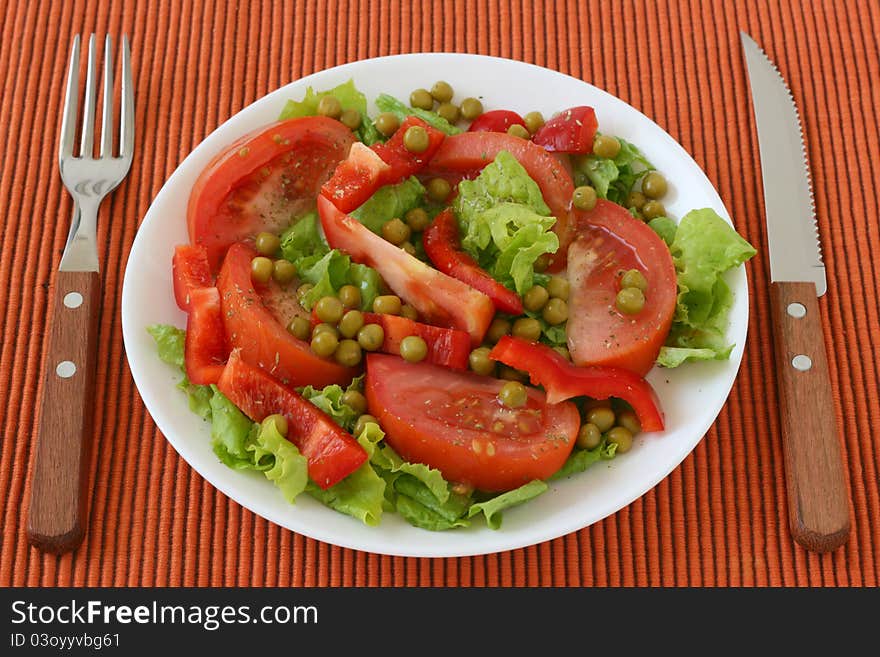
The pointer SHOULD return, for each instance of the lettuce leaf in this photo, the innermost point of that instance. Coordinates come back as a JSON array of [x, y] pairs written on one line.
[[362, 493], [231, 434], [581, 459], [388, 202], [613, 178], [419, 506], [302, 240], [492, 507], [504, 222], [387, 103], [703, 249], [332, 271], [390, 462], [665, 228], [279, 459], [349, 98], [329, 400], [170, 344]]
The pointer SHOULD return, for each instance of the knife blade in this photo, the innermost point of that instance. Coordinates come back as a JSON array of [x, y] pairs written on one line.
[[818, 500]]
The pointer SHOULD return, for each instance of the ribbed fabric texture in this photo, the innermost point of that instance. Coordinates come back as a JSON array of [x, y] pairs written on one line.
[[718, 519]]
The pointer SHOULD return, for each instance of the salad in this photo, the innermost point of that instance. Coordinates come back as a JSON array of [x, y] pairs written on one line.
[[436, 310]]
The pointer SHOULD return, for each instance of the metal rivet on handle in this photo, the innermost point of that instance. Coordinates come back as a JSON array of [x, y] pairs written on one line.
[[73, 299], [801, 363], [797, 310], [65, 369]]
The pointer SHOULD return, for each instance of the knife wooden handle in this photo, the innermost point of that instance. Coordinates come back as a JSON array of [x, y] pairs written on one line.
[[58, 502], [818, 501]]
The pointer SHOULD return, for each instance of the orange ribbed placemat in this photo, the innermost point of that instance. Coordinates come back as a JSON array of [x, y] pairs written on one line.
[[718, 519]]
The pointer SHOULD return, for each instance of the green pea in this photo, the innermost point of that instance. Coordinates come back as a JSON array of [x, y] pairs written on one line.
[[442, 91], [606, 146], [351, 323], [498, 329], [330, 106], [622, 438], [283, 271], [325, 328], [329, 309], [602, 417], [534, 121], [396, 232], [654, 185], [589, 436], [555, 312], [438, 189], [471, 108], [636, 200], [563, 351], [415, 139], [629, 421], [387, 123], [450, 112], [355, 400], [480, 362], [510, 374], [413, 349], [417, 219], [513, 394], [261, 269], [350, 296], [535, 298], [348, 353], [652, 210], [630, 300], [267, 244], [542, 262], [584, 198], [279, 421], [634, 278], [299, 327], [351, 119], [409, 312], [422, 99], [371, 337], [558, 287], [527, 329], [303, 290], [362, 422], [409, 248], [387, 304], [517, 130], [324, 343]]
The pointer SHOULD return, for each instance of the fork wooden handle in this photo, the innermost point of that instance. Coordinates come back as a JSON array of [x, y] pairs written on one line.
[[58, 503], [818, 503]]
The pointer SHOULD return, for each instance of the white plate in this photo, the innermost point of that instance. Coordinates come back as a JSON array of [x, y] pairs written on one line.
[[691, 395]]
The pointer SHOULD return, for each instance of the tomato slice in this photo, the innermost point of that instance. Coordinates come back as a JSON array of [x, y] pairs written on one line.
[[562, 380], [204, 347], [404, 163], [190, 271], [446, 347], [453, 421], [262, 340], [331, 452], [496, 121], [439, 299], [570, 131], [464, 156], [610, 241], [263, 180], [356, 178], [442, 245]]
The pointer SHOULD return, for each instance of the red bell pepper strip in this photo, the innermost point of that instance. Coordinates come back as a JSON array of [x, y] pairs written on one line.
[[190, 271], [356, 178], [496, 121], [402, 162], [204, 348], [331, 452], [562, 380], [570, 131], [446, 347], [440, 240], [440, 299]]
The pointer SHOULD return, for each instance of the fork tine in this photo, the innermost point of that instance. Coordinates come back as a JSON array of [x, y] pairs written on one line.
[[126, 132], [88, 129], [107, 112], [71, 95]]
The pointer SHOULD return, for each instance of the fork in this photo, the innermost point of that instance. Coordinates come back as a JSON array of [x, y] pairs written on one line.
[[58, 501]]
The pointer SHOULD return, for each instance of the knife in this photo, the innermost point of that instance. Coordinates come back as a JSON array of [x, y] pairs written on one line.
[[818, 501]]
